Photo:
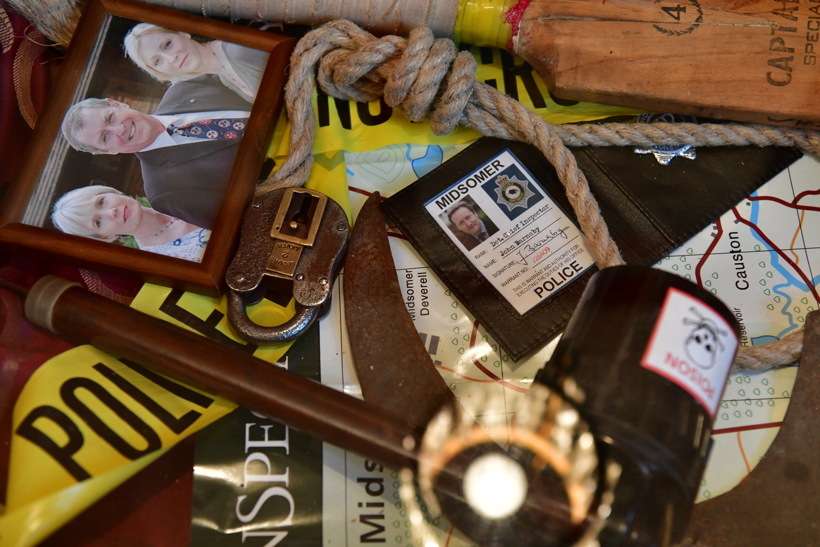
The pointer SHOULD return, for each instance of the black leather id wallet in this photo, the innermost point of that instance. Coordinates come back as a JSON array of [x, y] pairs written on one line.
[[495, 225]]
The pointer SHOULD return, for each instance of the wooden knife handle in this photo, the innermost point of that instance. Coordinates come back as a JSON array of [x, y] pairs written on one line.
[[751, 60]]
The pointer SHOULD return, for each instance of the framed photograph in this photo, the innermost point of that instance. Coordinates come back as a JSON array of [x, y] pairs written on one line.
[[150, 147]]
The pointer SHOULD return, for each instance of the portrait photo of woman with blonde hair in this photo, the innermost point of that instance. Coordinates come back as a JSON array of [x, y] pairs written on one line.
[[174, 56]]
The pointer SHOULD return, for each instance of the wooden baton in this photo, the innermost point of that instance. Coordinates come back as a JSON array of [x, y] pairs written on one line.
[[81, 317]]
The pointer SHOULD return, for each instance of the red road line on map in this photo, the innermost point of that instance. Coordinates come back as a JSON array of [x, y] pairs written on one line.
[[487, 371], [805, 193], [362, 192], [708, 252], [792, 204], [796, 234], [465, 377], [769, 242], [449, 535], [787, 204], [743, 453], [397, 235], [746, 428]]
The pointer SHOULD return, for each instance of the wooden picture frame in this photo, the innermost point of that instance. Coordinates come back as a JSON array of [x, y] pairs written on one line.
[[93, 65]]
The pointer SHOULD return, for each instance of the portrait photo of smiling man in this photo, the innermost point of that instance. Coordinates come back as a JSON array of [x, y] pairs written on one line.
[[186, 148], [469, 223]]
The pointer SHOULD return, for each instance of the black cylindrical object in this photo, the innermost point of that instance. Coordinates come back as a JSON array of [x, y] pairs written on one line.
[[645, 359]]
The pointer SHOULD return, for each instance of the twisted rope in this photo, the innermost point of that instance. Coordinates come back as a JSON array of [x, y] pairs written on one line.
[[426, 78]]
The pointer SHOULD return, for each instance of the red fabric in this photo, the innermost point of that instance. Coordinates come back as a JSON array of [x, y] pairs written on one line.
[[151, 509], [19, 41], [23, 348]]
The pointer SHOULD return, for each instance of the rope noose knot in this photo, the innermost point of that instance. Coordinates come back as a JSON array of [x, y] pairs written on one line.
[[427, 79]]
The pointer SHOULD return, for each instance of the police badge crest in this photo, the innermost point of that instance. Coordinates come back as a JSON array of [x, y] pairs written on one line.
[[513, 192], [665, 154]]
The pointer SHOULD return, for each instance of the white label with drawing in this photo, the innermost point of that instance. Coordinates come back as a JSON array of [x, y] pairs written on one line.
[[693, 346]]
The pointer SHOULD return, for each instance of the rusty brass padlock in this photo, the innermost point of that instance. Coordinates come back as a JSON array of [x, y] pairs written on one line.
[[293, 241]]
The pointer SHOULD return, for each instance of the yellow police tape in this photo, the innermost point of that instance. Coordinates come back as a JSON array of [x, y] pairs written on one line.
[[483, 22], [81, 425], [360, 127]]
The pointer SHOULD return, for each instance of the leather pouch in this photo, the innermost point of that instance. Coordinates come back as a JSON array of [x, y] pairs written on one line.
[[650, 209]]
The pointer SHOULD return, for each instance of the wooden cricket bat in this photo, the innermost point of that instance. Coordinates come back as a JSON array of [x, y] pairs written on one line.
[[743, 60]]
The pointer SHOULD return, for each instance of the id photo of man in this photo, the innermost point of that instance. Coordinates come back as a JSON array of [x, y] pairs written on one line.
[[469, 223]]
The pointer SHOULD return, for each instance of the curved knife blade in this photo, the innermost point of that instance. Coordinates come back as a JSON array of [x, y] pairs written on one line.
[[393, 366], [777, 503]]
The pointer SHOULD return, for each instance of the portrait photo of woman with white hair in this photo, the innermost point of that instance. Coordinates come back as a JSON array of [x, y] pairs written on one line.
[[174, 56], [104, 213]]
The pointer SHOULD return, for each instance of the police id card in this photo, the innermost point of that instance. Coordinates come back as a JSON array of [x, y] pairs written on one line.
[[512, 231]]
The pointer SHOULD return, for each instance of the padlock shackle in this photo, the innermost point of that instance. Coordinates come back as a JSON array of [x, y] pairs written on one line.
[[280, 334]]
